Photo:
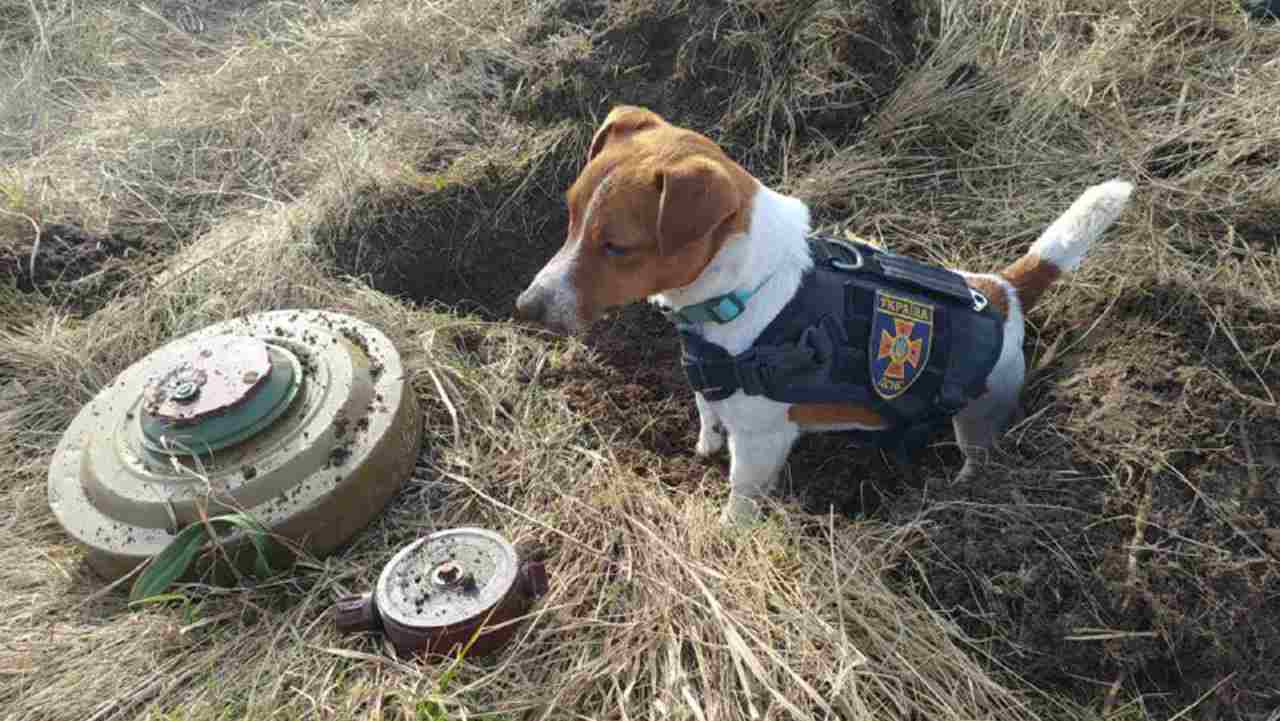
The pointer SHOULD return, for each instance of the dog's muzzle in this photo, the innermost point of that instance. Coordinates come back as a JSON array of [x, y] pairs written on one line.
[[531, 306], [545, 307]]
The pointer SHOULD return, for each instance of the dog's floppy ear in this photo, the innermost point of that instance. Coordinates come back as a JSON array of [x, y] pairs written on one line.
[[696, 197], [622, 121]]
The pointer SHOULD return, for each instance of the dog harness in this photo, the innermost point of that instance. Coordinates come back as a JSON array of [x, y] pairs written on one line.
[[911, 341]]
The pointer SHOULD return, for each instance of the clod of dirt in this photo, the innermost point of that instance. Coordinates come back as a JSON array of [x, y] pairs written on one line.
[[339, 456]]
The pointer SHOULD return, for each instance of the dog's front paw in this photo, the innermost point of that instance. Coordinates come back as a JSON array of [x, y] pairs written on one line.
[[970, 473], [740, 512], [710, 441]]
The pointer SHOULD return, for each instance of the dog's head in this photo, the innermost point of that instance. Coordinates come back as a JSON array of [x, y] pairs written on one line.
[[648, 212]]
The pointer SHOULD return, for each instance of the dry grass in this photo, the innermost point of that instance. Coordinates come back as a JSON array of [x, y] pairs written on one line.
[[1123, 561]]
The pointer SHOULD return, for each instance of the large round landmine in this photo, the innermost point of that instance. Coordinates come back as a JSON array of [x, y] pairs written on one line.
[[438, 593], [303, 419]]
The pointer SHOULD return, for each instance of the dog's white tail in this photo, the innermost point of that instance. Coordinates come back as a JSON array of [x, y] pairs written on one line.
[[1062, 245]]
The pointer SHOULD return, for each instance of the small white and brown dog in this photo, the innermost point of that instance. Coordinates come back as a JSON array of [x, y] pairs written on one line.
[[661, 212]]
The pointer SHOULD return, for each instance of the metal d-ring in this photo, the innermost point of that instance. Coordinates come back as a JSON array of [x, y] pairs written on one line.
[[840, 264], [979, 300]]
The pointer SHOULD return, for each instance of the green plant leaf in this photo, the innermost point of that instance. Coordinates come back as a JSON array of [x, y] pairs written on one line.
[[256, 534], [168, 565]]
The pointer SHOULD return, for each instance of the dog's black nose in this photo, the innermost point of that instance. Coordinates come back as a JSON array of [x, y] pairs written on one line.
[[531, 305]]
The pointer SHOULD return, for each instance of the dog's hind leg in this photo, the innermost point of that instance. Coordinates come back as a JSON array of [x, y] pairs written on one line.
[[980, 423], [978, 426], [710, 429], [756, 459]]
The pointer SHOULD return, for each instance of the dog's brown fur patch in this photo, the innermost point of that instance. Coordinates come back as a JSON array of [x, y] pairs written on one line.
[[828, 414], [1030, 276]]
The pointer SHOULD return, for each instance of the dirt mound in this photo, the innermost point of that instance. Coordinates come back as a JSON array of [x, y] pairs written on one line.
[[1149, 564], [759, 76], [71, 265]]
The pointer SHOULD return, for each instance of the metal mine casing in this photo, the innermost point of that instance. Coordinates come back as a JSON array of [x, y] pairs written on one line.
[[436, 593], [303, 419]]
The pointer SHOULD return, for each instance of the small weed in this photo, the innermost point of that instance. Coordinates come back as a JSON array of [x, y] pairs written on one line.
[[171, 563]]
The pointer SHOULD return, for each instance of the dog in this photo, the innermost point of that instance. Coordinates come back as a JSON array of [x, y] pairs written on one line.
[[662, 213]]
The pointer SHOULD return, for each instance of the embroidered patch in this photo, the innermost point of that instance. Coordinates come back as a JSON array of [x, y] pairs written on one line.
[[901, 338]]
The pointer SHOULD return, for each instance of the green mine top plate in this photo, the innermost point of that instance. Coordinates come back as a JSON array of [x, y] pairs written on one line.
[[222, 391]]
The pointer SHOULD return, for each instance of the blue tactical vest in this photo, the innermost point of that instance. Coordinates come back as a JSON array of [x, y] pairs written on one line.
[[910, 340]]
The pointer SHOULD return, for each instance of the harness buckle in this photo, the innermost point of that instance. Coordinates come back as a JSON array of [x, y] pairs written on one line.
[[750, 374], [699, 379], [979, 300], [842, 265]]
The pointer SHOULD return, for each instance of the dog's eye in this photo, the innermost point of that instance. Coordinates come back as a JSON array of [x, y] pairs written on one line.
[[613, 250]]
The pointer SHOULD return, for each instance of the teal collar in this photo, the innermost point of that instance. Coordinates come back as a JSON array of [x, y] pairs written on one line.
[[720, 309]]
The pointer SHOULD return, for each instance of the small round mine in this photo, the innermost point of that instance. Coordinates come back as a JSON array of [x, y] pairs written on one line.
[[465, 573]]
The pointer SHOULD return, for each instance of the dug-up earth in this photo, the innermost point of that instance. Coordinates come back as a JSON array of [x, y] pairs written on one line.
[[164, 166]]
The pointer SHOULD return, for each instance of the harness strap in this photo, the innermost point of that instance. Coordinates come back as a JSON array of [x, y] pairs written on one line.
[[716, 374]]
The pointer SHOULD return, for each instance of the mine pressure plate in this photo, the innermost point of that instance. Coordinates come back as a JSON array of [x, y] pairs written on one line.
[[304, 420], [454, 588]]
